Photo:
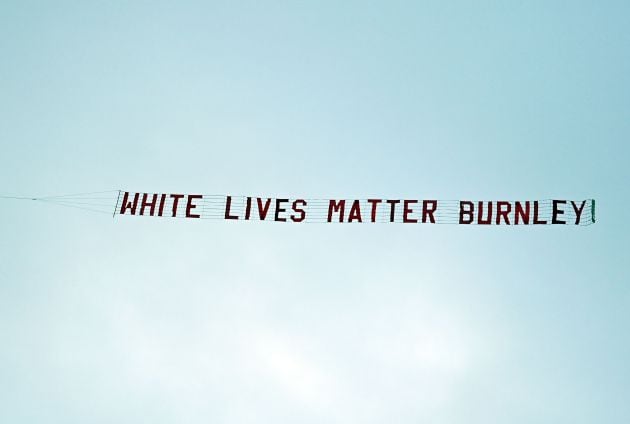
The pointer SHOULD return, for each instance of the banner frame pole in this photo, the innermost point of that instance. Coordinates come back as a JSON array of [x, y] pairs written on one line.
[[116, 207]]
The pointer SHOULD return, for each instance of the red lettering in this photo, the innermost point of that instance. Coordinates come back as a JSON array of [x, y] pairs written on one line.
[[248, 208], [407, 211], [355, 212], [503, 209], [392, 210], [126, 204], [277, 217], [578, 211], [536, 220], [556, 211], [162, 203], [190, 206], [488, 219], [466, 208], [334, 206], [374, 203], [150, 204], [228, 206], [176, 198], [302, 212], [428, 208], [263, 210], [521, 214]]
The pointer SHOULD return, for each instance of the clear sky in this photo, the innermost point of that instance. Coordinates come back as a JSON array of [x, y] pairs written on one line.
[[145, 320]]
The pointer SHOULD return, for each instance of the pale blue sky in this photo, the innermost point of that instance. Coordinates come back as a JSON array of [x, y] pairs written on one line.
[[164, 321]]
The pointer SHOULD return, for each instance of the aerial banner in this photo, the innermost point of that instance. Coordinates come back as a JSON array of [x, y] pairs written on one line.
[[356, 210]]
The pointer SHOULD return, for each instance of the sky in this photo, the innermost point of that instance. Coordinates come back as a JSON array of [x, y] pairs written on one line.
[[154, 320]]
